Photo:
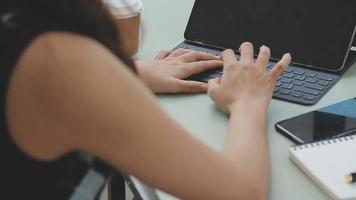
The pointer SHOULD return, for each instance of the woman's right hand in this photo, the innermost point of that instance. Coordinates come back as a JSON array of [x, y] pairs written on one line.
[[246, 82]]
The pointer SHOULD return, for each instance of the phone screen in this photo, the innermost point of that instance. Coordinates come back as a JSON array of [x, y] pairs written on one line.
[[328, 122]]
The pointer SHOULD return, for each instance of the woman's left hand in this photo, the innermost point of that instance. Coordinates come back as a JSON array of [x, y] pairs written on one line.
[[167, 72]]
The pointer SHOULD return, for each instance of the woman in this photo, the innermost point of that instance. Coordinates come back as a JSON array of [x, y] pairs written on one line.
[[73, 109]]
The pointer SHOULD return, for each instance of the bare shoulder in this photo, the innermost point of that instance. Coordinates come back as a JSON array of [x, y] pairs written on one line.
[[60, 51], [47, 81], [71, 42], [63, 48]]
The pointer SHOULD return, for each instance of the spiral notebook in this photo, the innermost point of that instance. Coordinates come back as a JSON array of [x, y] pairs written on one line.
[[327, 162]]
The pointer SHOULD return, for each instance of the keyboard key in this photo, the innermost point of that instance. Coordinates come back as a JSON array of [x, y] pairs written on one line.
[[215, 75], [312, 80], [325, 78], [308, 74], [219, 71], [307, 90], [285, 91], [299, 72], [278, 84], [324, 83], [287, 86], [299, 83], [309, 97], [300, 78], [297, 94], [286, 80], [289, 70], [288, 75], [276, 89], [314, 86], [205, 80]]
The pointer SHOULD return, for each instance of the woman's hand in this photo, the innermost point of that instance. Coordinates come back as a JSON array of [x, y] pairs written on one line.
[[167, 72], [246, 82]]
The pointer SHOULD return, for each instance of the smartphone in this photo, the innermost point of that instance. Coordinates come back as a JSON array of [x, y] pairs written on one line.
[[333, 121]]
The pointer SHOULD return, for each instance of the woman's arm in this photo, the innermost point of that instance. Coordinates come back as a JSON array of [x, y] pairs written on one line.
[[245, 91], [73, 101]]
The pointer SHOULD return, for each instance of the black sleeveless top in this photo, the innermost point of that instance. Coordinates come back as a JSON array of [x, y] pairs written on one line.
[[76, 176]]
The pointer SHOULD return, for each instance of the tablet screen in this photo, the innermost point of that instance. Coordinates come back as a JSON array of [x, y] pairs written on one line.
[[329, 122], [317, 33]]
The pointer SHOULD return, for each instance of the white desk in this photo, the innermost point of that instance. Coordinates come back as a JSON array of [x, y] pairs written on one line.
[[164, 23]]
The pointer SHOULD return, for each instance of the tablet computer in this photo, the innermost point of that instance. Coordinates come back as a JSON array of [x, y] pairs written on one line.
[[329, 122], [318, 33]]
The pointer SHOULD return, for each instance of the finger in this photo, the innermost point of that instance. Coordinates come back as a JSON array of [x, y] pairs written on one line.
[[163, 54], [213, 84], [179, 52], [197, 56], [280, 66], [191, 86], [263, 57], [229, 59], [246, 49], [200, 66]]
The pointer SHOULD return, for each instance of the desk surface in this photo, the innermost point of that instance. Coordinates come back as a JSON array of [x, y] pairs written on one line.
[[164, 23]]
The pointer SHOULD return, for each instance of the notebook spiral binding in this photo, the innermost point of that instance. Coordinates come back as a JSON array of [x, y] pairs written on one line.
[[323, 142]]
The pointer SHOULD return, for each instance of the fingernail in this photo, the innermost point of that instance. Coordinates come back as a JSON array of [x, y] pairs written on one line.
[[287, 54], [263, 46]]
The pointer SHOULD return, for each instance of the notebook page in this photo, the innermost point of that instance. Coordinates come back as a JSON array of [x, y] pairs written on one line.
[[327, 163]]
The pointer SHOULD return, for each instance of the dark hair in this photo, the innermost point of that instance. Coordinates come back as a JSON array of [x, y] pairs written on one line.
[[87, 17]]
